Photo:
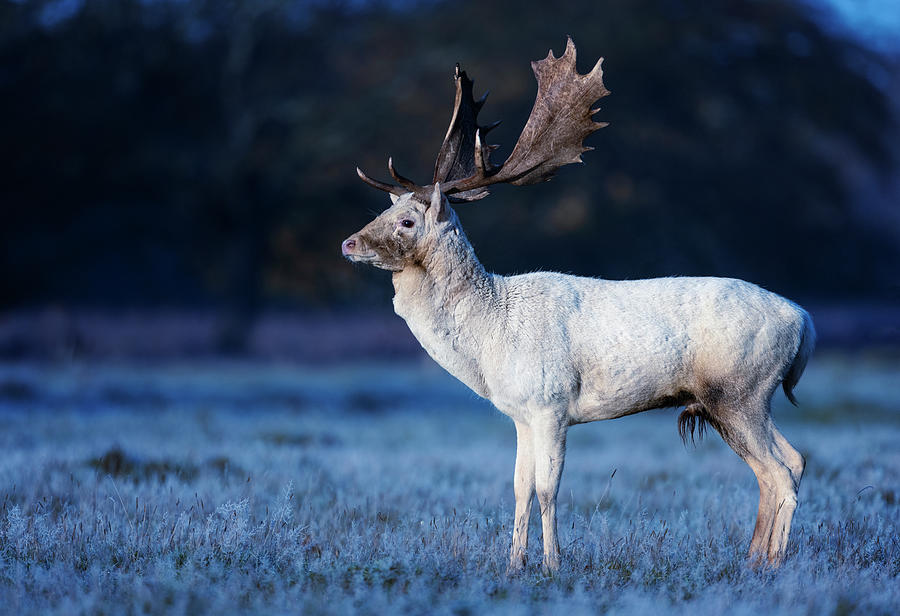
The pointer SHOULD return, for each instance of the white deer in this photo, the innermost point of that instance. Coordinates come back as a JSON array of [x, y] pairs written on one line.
[[552, 350]]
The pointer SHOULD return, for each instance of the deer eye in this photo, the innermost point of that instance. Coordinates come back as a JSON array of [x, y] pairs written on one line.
[[406, 222]]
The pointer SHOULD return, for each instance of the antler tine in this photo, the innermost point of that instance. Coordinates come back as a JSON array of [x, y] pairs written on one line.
[[396, 190], [481, 101], [486, 129], [481, 165], [464, 198], [408, 184]]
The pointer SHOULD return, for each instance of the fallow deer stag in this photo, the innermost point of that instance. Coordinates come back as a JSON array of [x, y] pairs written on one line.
[[552, 350]]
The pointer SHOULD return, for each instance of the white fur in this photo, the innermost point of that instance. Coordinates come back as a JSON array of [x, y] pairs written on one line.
[[552, 350]]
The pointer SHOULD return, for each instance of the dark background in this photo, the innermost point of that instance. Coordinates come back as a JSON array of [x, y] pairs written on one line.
[[177, 176]]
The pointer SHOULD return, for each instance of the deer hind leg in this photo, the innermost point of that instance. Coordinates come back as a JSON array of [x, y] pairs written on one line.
[[790, 471], [523, 487], [749, 431]]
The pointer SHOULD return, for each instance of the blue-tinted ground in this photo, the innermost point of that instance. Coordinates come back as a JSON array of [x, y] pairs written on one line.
[[235, 487]]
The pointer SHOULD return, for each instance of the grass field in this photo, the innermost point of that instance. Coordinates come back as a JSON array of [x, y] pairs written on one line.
[[245, 487]]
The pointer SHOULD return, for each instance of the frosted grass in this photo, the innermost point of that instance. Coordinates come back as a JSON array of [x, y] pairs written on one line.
[[235, 488]]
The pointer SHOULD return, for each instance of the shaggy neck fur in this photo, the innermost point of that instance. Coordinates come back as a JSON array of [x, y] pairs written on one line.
[[449, 301]]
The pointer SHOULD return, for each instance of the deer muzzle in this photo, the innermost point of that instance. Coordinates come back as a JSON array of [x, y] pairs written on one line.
[[355, 249], [348, 246]]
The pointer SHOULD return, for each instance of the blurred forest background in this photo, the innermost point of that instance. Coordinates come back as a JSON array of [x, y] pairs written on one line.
[[177, 175]]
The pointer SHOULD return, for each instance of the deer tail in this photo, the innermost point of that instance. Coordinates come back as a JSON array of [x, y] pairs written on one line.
[[804, 350]]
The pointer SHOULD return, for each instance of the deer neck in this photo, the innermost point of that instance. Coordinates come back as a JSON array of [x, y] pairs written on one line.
[[449, 301]]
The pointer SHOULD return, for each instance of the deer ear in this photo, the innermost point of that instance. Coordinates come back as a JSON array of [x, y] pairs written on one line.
[[394, 198], [437, 210]]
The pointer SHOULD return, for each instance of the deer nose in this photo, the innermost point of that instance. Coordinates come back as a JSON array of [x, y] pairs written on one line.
[[348, 246]]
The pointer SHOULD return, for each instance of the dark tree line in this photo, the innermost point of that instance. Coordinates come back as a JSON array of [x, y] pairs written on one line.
[[202, 152]]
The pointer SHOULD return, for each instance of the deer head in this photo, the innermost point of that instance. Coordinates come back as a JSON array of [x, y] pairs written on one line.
[[403, 234], [553, 136]]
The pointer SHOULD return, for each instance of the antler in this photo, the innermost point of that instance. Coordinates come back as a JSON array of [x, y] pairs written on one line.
[[456, 159], [553, 135]]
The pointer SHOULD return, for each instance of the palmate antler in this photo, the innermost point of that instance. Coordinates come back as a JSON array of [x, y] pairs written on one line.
[[553, 135]]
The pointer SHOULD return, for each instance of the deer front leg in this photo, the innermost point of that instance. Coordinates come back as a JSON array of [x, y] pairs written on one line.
[[549, 439], [523, 487]]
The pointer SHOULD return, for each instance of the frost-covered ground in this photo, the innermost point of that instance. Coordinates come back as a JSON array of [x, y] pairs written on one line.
[[225, 488]]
